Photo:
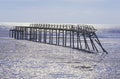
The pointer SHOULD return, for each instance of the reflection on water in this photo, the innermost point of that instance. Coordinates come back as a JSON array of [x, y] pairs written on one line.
[[31, 60]]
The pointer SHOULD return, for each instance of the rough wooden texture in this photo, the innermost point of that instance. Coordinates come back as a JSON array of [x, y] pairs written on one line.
[[81, 37]]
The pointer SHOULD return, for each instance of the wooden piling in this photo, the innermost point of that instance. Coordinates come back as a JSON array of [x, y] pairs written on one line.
[[59, 35]]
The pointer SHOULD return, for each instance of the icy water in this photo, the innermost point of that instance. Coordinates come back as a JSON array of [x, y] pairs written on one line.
[[21, 59]]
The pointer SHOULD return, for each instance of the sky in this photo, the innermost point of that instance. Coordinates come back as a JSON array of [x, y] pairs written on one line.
[[61, 11]]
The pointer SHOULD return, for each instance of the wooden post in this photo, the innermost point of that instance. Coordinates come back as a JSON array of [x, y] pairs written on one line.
[[65, 38], [22, 33], [12, 33], [52, 41], [26, 33], [63, 35], [40, 35], [36, 34], [97, 40], [80, 41], [70, 38], [59, 37], [86, 45], [44, 35], [16, 37], [73, 37], [30, 37], [56, 36], [77, 40], [50, 35]]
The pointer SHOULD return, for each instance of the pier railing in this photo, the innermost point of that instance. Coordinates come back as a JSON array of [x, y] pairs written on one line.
[[81, 37]]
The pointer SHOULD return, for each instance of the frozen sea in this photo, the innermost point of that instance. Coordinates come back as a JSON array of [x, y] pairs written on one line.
[[22, 59]]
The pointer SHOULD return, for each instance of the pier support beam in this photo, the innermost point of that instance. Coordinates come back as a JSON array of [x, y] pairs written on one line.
[[81, 37]]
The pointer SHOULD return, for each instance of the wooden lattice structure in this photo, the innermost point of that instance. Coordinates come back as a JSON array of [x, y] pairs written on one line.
[[81, 37]]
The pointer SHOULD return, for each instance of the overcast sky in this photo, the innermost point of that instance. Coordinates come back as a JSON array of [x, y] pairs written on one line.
[[61, 11]]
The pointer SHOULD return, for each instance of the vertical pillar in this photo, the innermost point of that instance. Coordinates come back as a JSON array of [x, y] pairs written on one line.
[[59, 36], [36, 34], [77, 40], [24, 33], [17, 32], [59, 28], [12, 33], [52, 36], [80, 42], [70, 38], [73, 37], [56, 37], [40, 35], [66, 36], [30, 35], [63, 35]]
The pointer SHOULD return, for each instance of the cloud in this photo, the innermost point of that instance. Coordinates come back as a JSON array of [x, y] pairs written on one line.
[[53, 0], [61, 15], [60, 12], [81, 0]]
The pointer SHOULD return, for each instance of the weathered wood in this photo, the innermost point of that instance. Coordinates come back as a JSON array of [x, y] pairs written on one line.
[[77, 40], [70, 39], [64, 35], [65, 38], [40, 35], [58, 37]]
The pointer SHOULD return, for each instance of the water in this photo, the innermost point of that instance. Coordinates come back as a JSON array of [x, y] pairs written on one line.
[[30, 60]]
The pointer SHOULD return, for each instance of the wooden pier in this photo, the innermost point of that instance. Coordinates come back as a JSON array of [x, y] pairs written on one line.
[[80, 37]]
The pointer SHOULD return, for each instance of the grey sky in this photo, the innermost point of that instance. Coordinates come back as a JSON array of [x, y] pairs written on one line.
[[60, 11]]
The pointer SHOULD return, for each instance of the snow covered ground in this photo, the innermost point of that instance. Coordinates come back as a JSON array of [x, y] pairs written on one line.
[[21, 59]]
